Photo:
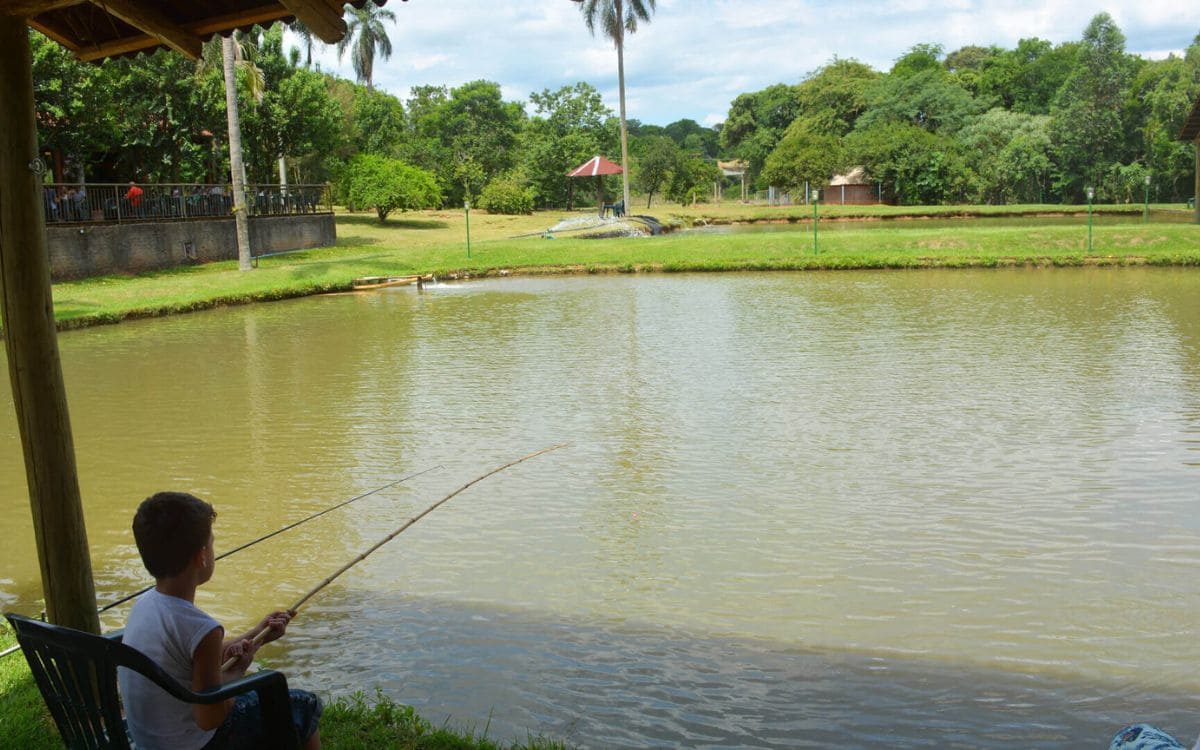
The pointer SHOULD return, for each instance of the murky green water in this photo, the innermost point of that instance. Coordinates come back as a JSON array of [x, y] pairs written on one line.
[[937, 508]]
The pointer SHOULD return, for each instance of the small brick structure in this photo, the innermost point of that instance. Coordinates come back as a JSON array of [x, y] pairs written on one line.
[[83, 250], [855, 188]]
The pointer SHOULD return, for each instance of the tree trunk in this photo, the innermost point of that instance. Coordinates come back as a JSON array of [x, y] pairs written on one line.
[[621, 89], [34, 367], [236, 166]]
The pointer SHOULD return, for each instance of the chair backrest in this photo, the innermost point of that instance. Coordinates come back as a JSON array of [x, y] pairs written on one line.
[[77, 675]]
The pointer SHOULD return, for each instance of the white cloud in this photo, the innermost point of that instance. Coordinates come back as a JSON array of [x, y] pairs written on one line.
[[695, 56]]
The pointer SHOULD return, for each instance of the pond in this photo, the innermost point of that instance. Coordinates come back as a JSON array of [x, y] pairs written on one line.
[[921, 509]]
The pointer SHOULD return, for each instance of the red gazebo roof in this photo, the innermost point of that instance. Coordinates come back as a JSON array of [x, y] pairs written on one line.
[[597, 165]]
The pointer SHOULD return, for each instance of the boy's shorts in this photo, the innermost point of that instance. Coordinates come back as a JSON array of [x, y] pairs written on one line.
[[243, 727]]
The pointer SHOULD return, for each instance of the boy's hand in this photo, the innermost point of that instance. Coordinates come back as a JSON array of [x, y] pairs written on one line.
[[275, 625], [242, 652]]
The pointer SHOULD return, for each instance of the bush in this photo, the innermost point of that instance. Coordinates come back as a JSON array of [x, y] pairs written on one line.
[[388, 185], [506, 196]]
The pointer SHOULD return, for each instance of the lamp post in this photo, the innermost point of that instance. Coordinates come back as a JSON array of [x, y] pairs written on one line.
[[815, 196], [1146, 207], [467, 208], [1091, 193]]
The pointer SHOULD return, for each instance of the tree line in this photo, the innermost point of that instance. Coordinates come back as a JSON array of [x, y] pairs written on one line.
[[1038, 123], [1041, 123]]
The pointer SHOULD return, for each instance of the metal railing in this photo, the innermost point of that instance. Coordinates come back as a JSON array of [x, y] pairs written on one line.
[[65, 202]]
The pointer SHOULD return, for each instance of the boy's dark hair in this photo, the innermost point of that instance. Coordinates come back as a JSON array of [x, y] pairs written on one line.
[[169, 528]]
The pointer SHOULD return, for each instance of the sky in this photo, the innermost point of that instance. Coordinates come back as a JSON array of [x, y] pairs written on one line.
[[696, 56]]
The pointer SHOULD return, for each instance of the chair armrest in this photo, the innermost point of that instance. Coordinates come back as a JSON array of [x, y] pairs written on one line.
[[266, 679]]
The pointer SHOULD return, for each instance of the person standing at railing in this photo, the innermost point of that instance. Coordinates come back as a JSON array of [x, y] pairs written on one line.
[[134, 197], [50, 197], [80, 204]]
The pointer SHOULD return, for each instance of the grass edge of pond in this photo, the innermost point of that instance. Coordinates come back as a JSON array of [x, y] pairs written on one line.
[[393, 249]]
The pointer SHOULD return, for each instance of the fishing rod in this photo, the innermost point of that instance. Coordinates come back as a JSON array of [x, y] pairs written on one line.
[[263, 538], [262, 634], [290, 526]]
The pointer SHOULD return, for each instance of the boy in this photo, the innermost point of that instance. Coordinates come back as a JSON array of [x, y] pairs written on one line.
[[174, 536]]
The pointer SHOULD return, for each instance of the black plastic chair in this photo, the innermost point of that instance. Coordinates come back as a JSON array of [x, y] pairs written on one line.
[[77, 674]]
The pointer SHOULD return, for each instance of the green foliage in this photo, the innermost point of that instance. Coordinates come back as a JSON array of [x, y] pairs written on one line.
[[466, 138], [692, 137], [914, 165], [804, 157], [354, 722], [921, 58], [377, 122], [927, 98], [24, 720], [756, 122], [387, 185], [568, 127], [658, 163], [1009, 155], [1086, 127], [365, 38], [692, 179], [506, 195], [833, 98]]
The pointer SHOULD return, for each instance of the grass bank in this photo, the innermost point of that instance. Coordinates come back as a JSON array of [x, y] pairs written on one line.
[[347, 724], [435, 242]]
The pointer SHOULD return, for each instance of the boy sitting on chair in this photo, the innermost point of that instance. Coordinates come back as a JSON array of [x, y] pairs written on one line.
[[174, 535]]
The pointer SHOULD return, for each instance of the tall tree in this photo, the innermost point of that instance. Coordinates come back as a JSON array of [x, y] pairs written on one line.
[[1086, 123], [617, 18], [366, 37], [241, 221]]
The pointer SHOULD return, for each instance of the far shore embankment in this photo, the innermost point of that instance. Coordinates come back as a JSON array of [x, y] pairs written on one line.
[[435, 242]]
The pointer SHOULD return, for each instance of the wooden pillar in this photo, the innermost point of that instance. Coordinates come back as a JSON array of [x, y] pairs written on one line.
[[30, 339]]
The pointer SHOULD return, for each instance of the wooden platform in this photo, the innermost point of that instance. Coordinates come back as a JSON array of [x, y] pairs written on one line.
[[379, 282]]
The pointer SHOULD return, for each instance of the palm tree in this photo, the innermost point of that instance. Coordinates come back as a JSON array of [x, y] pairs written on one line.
[[365, 36], [307, 38], [240, 220], [617, 18]]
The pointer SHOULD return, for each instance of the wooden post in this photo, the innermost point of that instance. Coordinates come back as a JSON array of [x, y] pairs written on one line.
[[35, 371]]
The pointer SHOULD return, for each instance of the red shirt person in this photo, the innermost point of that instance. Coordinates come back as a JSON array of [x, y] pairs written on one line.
[[134, 195]]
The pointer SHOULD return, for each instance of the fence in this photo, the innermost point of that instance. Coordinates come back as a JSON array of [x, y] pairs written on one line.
[[65, 203]]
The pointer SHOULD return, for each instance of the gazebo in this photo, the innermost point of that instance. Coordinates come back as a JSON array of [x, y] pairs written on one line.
[[92, 30], [1191, 132], [597, 167]]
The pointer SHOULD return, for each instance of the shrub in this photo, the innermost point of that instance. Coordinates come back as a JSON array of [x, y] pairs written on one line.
[[506, 195], [387, 185]]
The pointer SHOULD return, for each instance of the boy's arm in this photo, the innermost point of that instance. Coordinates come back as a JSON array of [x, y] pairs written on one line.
[[206, 674], [276, 622]]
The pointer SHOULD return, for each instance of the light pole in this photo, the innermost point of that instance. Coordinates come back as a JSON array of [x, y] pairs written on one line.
[[1091, 193], [1146, 207], [467, 208], [815, 196]]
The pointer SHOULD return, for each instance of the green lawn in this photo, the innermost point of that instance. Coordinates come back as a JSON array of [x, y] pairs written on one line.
[[435, 242]]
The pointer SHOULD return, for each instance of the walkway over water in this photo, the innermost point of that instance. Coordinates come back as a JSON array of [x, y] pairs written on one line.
[[107, 202]]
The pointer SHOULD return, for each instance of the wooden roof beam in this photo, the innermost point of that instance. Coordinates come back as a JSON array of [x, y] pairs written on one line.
[[145, 16], [262, 15], [28, 8], [320, 17]]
